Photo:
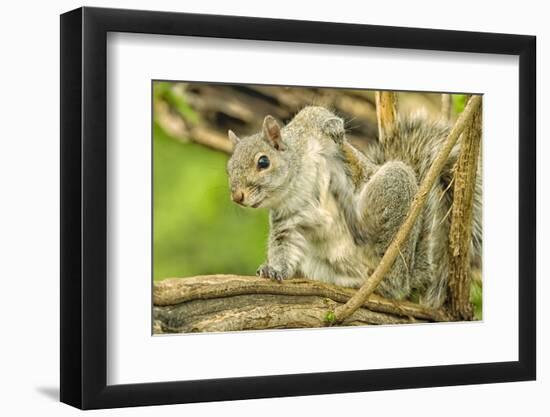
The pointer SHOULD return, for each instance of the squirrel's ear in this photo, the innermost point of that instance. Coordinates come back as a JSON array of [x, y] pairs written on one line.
[[233, 138], [334, 128], [272, 132]]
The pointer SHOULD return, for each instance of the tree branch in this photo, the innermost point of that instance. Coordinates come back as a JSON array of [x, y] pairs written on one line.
[[386, 112], [232, 302], [446, 106], [461, 220], [344, 311]]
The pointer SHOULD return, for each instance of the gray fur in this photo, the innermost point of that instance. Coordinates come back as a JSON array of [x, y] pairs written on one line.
[[335, 210]]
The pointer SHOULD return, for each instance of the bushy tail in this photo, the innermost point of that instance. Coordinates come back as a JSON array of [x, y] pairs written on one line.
[[419, 142]]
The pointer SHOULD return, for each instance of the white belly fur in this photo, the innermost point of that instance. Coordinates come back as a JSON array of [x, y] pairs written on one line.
[[331, 255]]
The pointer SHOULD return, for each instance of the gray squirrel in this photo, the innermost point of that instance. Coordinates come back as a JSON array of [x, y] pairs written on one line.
[[334, 210]]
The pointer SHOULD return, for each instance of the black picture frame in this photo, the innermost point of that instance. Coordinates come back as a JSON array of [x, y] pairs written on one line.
[[84, 207]]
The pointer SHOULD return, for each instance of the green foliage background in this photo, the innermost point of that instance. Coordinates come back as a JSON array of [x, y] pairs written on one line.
[[197, 229]]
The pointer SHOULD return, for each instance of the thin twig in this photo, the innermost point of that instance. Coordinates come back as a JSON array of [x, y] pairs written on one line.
[[446, 106], [386, 112]]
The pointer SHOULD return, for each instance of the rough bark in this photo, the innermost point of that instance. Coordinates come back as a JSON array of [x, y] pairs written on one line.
[[344, 311], [231, 302], [461, 220]]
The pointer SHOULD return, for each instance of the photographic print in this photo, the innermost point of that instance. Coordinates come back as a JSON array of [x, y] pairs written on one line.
[[274, 205]]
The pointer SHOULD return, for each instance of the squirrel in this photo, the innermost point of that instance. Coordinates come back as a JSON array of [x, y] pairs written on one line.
[[334, 210]]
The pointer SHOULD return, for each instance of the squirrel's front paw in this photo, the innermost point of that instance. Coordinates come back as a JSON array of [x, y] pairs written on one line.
[[334, 128], [266, 271]]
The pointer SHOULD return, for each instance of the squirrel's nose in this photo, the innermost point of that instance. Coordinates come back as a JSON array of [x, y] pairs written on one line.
[[237, 196]]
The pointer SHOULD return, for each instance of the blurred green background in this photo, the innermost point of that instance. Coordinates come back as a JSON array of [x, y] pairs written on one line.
[[197, 229]]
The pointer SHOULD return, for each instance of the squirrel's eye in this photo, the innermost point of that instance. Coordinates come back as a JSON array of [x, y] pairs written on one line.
[[263, 162]]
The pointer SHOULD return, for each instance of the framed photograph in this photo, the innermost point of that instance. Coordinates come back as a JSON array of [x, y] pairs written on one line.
[[257, 208]]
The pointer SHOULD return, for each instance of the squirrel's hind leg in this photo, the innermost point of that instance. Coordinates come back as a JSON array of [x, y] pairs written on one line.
[[383, 205]]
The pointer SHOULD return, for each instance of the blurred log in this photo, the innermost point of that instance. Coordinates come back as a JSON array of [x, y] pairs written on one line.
[[232, 302], [178, 129], [241, 108], [212, 139]]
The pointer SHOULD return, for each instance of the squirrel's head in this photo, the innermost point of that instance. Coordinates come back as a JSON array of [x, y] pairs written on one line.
[[259, 167]]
